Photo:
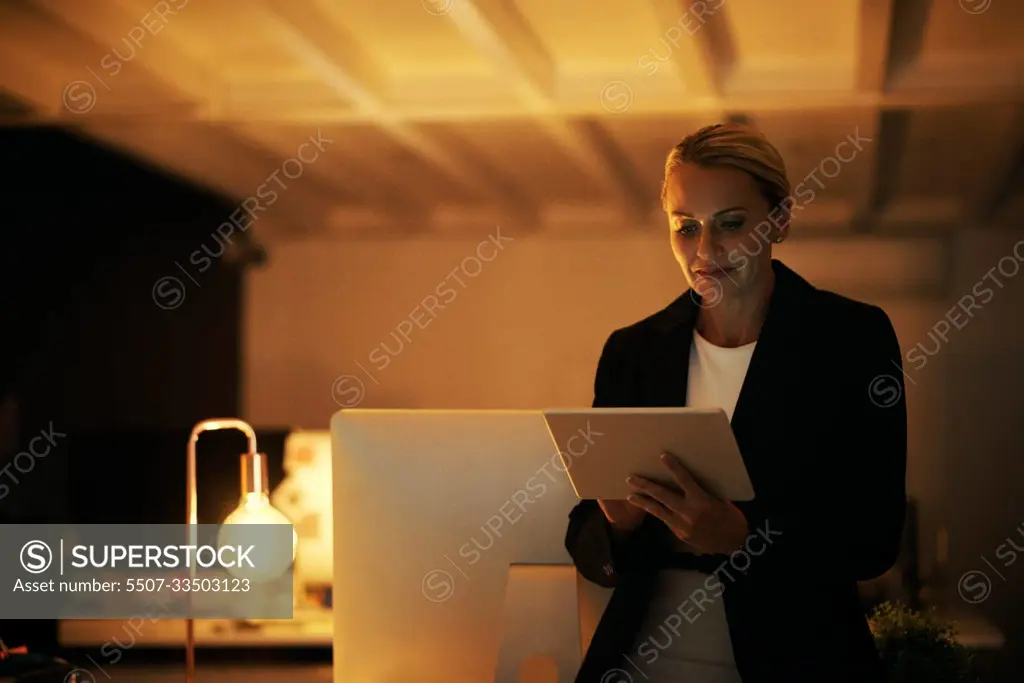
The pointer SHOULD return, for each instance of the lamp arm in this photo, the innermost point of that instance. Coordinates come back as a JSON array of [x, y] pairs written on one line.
[[191, 512]]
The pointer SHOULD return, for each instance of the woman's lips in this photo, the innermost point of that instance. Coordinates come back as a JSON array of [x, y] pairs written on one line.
[[713, 271]]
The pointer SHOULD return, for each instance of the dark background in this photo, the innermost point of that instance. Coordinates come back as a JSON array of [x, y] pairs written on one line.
[[87, 233]]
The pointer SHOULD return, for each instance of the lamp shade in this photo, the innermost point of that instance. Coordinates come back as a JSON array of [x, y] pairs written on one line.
[[255, 508]]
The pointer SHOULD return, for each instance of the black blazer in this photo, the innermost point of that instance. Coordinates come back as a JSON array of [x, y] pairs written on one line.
[[821, 422]]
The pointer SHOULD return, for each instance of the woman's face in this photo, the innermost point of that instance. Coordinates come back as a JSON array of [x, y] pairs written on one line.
[[721, 231]]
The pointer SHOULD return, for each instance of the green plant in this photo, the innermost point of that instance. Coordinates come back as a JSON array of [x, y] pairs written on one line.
[[919, 648]]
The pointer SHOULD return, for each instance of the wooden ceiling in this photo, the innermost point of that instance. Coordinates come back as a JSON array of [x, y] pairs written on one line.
[[379, 117]]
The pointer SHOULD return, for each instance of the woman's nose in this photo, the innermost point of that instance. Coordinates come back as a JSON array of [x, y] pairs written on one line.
[[706, 244]]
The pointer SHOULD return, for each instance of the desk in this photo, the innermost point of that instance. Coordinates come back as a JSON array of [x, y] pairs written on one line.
[[214, 673], [309, 628]]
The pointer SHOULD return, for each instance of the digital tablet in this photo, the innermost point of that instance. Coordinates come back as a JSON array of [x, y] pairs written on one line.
[[600, 447]]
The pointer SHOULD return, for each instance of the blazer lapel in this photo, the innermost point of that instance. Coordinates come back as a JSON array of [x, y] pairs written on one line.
[[756, 421], [767, 371], [671, 357]]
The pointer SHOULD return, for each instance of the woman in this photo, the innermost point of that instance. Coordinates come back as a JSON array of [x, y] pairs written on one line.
[[761, 590]]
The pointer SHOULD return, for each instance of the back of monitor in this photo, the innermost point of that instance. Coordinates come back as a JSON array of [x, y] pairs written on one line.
[[430, 510]]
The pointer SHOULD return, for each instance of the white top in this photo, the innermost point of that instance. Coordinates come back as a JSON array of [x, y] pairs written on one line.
[[685, 636], [716, 374]]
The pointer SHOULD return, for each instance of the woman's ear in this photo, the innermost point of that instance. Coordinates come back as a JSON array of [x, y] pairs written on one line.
[[781, 224]]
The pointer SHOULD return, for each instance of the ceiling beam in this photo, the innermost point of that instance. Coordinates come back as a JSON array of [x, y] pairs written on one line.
[[32, 75], [115, 31], [1007, 164], [872, 75], [95, 77], [873, 52], [703, 48], [909, 19], [30, 82], [335, 56], [886, 156], [872, 162], [166, 70], [781, 102], [376, 194], [205, 156], [502, 34], [321, 186], [40, 77]]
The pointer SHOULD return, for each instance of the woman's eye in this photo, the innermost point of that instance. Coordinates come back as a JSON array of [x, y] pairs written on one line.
[[734, 224], [687, 227]]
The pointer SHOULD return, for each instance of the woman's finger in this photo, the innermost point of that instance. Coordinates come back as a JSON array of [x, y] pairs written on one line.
[[684, 540], [664, 495], [658, 509], [652, 507], [683, 477]]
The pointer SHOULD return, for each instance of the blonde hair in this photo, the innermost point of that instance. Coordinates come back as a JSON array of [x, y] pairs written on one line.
[[734, 145]]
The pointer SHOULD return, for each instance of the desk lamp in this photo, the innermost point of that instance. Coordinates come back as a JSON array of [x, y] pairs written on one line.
[[254, 507]]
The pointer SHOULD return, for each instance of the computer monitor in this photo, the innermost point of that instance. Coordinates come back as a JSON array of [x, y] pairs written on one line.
[[431, 508]]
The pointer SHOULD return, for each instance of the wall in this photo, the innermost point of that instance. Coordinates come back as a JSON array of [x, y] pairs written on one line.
[[525, 331], [984, 434]]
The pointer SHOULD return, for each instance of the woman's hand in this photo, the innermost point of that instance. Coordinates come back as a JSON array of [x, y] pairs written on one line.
[[622, 515], [709, 525]]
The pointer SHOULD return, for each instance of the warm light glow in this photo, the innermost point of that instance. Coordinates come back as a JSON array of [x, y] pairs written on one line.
[[305, 495], [255, 508]]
